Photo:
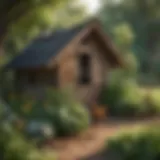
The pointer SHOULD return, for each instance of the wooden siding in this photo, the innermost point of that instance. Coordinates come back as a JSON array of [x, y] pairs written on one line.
[[69, 69], [44, 78]]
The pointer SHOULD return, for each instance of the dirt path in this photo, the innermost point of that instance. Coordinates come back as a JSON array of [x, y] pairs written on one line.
[[88, 145]]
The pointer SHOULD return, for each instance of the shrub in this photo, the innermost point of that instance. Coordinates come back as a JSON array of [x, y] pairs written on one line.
[[122, 97], [152, 102], [58, 108], [144, 145], [68, 115], [13, 144]]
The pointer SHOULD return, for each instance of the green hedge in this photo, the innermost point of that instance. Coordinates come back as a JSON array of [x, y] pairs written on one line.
[[142, 146]]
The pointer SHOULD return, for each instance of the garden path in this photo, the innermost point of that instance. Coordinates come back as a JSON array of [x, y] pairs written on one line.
[[89, 145]]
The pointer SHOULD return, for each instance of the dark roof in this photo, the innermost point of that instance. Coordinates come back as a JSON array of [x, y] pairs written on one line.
[[46, 46], [39, 52]]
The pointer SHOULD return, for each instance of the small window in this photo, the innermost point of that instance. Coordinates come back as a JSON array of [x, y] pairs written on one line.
[[85, 69]]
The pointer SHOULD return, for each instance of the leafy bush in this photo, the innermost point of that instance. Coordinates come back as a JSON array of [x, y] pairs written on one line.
[[58, 108], [13, 144], [68, 115], [142, 146], [152, 102], [123, 97]]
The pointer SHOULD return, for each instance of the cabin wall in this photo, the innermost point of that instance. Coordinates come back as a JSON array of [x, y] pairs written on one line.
[[35, 82], [67, 72], [90, 93], [69, 69]]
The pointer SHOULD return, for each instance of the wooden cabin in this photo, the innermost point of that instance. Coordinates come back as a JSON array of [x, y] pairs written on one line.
[[80, 56]]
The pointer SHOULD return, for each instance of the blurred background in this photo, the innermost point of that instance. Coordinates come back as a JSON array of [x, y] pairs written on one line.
[[134, 26]]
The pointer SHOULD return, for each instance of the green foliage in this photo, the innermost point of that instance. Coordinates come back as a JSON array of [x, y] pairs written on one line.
[[40, 19], [68, 116], [144, 145], [59, 108], [134, 24], [156, 67], [124, 36], [12, 11], [120, 95], [123, 97], [13, 145], [152, 101]]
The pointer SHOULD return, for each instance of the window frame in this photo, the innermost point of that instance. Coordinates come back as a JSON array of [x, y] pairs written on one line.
[[84, 64]]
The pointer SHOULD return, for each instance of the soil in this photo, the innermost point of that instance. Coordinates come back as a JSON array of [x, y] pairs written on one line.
[[89, 145]]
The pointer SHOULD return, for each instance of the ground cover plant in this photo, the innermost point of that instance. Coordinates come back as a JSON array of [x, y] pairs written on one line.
[[144, 145], [57, 114]]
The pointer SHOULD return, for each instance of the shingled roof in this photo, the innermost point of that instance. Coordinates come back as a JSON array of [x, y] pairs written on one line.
[[40, 50]]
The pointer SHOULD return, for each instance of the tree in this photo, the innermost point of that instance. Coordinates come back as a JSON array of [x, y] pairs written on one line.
[[123, 36], [143, 16], [13, 10], [42, 18]]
